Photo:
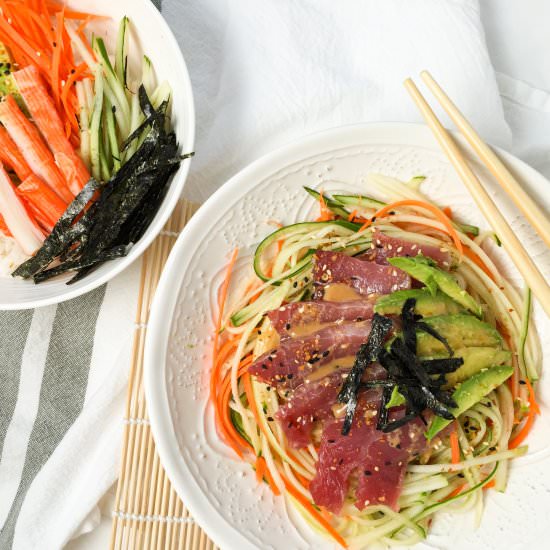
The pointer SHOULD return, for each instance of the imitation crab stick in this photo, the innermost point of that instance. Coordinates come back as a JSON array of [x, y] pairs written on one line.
[[49, 123], [45, 205], [11, 157], [24, 230], [27, 138]]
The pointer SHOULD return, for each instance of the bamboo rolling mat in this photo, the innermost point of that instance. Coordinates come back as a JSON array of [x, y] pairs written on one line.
[[148, 514]]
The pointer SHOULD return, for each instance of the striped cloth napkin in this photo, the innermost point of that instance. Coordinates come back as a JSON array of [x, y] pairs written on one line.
[[63, 374]]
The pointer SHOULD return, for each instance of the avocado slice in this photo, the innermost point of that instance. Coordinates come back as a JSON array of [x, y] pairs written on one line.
[[427, 304], [460, 331], [470, 392], [475, 360], [7, 82], [424, 270]]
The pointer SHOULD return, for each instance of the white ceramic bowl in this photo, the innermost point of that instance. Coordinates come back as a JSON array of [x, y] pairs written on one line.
[[221, 492], [152, 36]]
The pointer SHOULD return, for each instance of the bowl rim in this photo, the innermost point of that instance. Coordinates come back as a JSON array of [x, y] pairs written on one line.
[[169, 203], [164, 304]]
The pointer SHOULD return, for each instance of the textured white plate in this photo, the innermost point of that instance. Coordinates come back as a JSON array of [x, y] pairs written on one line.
[[152, 36], [221, 492]]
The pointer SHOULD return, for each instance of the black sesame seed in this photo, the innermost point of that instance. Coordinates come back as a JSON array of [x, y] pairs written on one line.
[[290, 376], [287, 326], [325, 353], [367, 472], [331, 440], [522, 382], [264, 366], [295, 284], [270, 419]]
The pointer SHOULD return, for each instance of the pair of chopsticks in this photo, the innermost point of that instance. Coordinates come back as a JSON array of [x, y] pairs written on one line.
[[536, 217]]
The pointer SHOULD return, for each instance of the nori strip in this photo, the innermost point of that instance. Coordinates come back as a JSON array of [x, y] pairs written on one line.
[[424, 327], [63, 235], [383, 412], [442, 366], [116, 252], [367, 354]]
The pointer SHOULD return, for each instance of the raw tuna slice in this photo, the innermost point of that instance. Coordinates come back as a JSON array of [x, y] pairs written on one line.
[[295, 358], [312, 402], [287, 318], [390, 247], [341, 455], [378, 460], [308, 404], [363, 276], [382, 479]]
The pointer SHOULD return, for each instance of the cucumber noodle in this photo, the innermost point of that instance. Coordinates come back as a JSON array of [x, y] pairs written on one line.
[[432, 482]]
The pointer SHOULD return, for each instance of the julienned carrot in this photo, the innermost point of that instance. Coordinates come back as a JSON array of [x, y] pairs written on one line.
[[455, 447], [317, 516], [532, 397], [534, 409], [524, 432], [352, 215], [46, 205], [260, 469], [11, 157], [13, 40], [324, 212], [218, 362], [454, 493], [469, 253], [448, 212], [437, 212], [490, 484], [56, 58], [271, 483]]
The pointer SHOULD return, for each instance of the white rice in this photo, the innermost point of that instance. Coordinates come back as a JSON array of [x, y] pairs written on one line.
[[11, 255]]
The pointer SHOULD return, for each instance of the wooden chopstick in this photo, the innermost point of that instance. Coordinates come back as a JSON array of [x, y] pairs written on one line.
[[511, 243], [530, 209]]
